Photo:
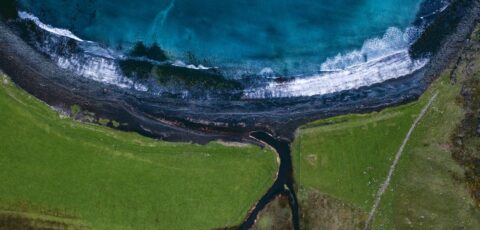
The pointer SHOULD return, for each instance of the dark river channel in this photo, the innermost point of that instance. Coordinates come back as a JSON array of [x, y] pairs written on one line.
[[283, 185]]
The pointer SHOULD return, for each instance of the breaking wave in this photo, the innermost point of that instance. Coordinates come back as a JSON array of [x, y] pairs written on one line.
[[93, 62], [392, 41], [392, 66], [51, 29], [97, 68], [379, 59]]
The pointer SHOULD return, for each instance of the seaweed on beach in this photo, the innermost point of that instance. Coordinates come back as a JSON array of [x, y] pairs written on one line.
[[8, 9], [136, 69], [192, 78], [153, 52], [175, 77]]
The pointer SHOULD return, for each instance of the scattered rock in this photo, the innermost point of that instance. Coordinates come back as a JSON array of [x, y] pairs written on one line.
[[277, 215], [459, 142], [320, 211], [469, 130]]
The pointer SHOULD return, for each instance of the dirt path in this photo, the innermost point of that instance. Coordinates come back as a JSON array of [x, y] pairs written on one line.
[[385, 184]]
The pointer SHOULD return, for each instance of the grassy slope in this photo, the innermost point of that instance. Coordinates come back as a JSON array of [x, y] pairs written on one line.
[[428, 190], [116, 180], [347, 157], [424, 192], [350, 158]]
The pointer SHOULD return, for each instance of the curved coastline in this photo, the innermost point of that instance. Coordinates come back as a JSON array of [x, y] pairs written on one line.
[[167, 118], [203, 121]]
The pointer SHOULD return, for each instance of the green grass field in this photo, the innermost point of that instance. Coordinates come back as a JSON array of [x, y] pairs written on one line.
[[426, 191], [348, 157], [114, 180]]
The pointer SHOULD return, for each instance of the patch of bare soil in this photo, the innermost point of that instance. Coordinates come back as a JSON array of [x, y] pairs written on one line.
[[276, 216], [319, 211], [233, 144], [12, 220]]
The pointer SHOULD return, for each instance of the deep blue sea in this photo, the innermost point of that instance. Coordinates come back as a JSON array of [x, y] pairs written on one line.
[[325, 45]]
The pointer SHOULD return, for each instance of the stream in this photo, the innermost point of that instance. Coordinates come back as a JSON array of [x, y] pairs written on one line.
[[283, 184]]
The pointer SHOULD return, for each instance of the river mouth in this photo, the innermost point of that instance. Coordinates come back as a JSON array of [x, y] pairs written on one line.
[[195, 97], [58, 69], [284, 183]]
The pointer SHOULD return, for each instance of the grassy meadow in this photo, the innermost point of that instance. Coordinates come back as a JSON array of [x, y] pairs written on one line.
[[426, 191], [348, 157], [106, 179]]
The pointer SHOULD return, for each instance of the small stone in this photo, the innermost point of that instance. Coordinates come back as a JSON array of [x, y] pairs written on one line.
[[459, 142]]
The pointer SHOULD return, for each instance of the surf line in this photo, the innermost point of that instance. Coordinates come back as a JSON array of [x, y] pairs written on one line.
[[385, 184]]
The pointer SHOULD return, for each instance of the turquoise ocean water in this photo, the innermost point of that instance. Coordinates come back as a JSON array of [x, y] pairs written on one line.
[[290, 37]]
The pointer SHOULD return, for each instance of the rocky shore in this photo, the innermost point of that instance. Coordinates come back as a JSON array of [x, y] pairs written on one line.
[[465, 139], [205, 120]]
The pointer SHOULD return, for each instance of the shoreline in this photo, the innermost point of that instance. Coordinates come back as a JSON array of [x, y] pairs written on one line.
[[201, 121], [205, 121]]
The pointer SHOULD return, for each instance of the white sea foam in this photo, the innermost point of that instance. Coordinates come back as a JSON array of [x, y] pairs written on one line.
[[98, 69], [446, 4], [376, 71], [95, 62], [97, 50], [49, 28], [391, 42], [266, 71], [179, 63], [95, 68], [379, 60]]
